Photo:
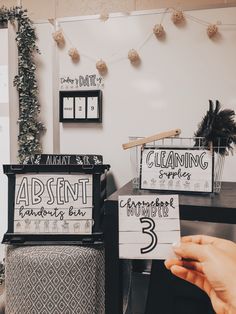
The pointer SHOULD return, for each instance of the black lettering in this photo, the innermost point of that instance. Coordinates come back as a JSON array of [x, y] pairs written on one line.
[[150, 231]]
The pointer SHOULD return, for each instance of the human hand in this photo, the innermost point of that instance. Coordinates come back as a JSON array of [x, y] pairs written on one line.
[[210, 264]]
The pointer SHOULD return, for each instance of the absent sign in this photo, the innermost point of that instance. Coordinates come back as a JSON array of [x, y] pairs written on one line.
[[176, 169], [53, 203], [148, 226]]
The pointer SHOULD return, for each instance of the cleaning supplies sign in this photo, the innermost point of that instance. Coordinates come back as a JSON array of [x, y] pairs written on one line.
[[176, 169], [53, 203], [148, 226]]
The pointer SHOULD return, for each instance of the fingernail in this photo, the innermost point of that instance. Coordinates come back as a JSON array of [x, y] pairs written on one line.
[[176, 244], [166, 264], [177, 247]]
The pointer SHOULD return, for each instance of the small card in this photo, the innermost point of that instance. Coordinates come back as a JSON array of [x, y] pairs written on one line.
[[68, 108], [80, 108], [92, 108], [148, 226]]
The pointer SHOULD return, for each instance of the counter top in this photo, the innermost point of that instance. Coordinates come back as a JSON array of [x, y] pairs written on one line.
[[203, 207]]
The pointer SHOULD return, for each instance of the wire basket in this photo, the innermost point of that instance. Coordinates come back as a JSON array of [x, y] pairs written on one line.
[[178, 143]]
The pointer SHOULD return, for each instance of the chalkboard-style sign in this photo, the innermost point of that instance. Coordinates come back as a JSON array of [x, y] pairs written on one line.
[[54, 159], [173, 169], [55, 199], [81, 106]]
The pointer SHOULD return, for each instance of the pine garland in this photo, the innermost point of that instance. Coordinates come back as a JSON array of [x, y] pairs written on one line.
[[29, 126]]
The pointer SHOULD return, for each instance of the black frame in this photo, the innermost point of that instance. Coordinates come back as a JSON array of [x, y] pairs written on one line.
[[77, 94]]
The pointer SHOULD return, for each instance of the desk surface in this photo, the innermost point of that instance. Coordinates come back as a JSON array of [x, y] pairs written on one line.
[[204, 207]]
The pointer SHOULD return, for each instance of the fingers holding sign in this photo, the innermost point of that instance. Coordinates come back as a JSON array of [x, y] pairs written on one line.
[[224, 245], [210, 264]]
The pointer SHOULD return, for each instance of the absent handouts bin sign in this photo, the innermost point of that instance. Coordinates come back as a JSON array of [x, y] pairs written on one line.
[[53, 203]]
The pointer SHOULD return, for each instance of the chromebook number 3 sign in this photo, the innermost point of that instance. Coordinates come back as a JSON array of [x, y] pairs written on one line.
[[148, 226]]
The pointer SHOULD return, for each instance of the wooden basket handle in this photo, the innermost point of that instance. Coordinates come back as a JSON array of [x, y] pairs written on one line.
[[151, 138]]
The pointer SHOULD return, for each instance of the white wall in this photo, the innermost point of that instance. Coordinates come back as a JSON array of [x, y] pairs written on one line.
[[169, 90], [61, 8], [4, 132]]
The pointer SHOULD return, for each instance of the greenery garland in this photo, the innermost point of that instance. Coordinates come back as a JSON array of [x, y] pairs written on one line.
[[29, 126]]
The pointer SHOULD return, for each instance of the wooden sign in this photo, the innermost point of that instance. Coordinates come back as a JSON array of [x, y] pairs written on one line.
[[53, 203], [148, 226], [176, 169]]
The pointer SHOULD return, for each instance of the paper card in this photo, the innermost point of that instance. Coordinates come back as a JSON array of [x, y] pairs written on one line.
[[92, 110], [148, 226], [176, 169], [80, 108], [68, 108], [53, 203]]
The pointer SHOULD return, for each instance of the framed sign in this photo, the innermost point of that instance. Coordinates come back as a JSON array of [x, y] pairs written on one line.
[[81, 106], [53, 203], [173, 169], [148, 226]]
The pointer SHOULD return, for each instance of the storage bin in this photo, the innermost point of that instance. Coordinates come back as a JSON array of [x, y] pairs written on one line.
[[54, 202]]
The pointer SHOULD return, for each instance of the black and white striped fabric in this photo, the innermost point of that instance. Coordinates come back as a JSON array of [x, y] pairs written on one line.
[[55, 280]]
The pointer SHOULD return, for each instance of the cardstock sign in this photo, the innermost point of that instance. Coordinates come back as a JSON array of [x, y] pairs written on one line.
[[53, 203], [176, 170], [148, 226]]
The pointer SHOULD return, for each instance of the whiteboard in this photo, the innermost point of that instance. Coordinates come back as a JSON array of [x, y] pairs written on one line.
[[170, 89]]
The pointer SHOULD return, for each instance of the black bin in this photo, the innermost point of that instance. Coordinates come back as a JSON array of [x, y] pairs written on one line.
[[55, 202]]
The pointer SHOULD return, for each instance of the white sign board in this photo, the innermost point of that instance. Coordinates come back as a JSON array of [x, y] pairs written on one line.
[[148, 226], [176, 169], [53, 203]]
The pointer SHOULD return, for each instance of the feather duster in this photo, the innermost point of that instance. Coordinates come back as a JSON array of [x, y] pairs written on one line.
[[218, 129]]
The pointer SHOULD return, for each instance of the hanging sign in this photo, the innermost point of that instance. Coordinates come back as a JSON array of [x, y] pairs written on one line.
[[189, 170], [53, 203], [148, 226]]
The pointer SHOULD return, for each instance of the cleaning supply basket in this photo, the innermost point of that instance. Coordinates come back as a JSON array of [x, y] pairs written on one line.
[[173, 144]]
